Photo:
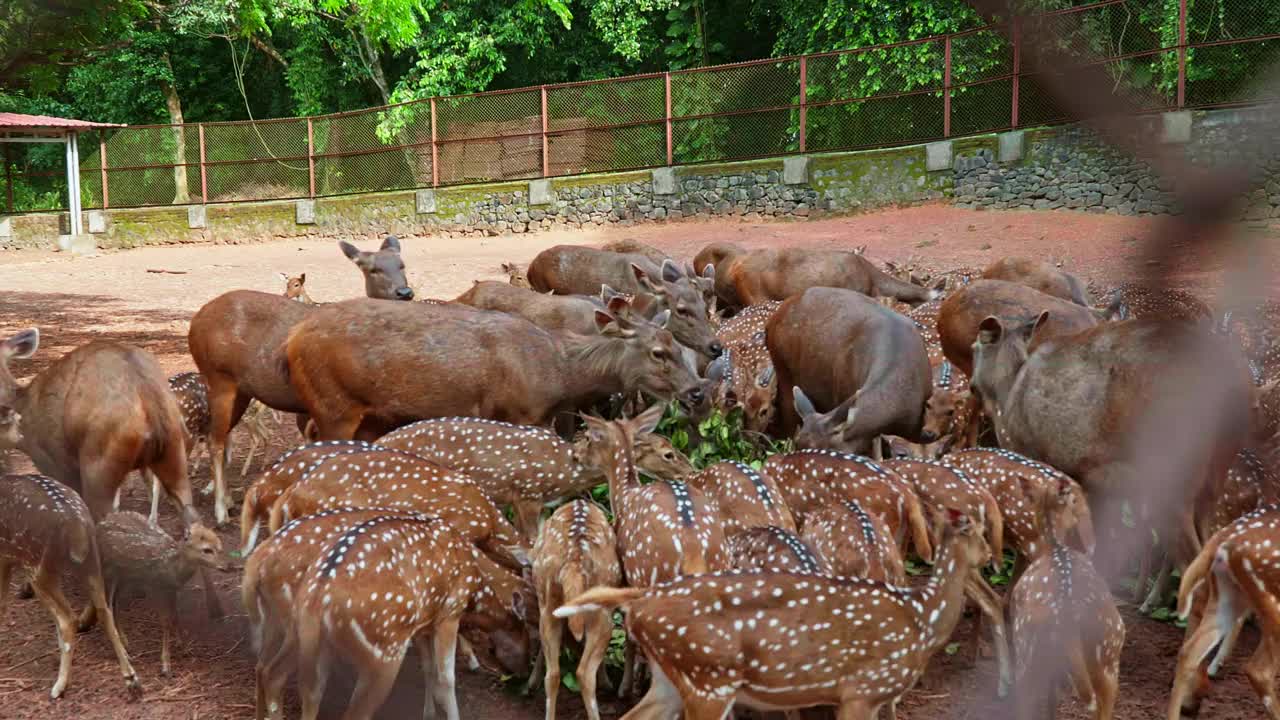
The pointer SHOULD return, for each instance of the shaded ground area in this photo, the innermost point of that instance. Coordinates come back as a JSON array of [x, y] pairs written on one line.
[[75, 301]]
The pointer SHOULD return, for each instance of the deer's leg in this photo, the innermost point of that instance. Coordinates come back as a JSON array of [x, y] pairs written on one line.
[[1159, 587], [104, 605], [45, 586], [527, 512], [662, 702], [627, 687], [373, 684], [255, 441], [1081, 676], [468, 653], [427, 662], [226, 406], [1189, 675], [313, 668], [1106, 685], [445, 645], [6, 569], [856, 709], [276, 672], [1227, 645], [993, 607], [550, 629], [1261, 670], [599, 631]]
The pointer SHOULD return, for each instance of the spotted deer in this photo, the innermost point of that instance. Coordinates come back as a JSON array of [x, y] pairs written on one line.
[[723, 639], [745, 497], [812, 479], [774, 549], [744, 373], [522, 465], [47, 529], [576, 550], [1250, 484], [854, 543], [379, 586], [1232, 579], [295, 288], [665, 529], [137, 555], [1130, 301], [291, 467], [1064, 619], [947, 413], [402, 481]]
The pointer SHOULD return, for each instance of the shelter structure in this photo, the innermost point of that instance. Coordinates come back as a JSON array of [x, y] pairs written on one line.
[[17, 128]]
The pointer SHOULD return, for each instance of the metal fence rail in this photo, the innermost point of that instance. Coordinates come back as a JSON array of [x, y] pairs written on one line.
[[960, 84]]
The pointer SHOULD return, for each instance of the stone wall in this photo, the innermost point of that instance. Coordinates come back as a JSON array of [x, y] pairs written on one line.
[[1070, 168]]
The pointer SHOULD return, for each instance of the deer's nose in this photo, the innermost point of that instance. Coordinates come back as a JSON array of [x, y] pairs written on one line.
[[404, 293]]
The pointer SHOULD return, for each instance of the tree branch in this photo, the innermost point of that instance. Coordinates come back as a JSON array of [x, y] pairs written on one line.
[[269, 51]]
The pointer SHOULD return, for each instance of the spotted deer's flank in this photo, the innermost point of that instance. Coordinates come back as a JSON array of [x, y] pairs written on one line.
[[1017, 484], [812, 479], [137, 555], [193, 402], [1250, 484], [1131, 301], [855, 543], [523, 465], [405, 482], [379, 586], [287, 470], [576, 550], [46, 529], [773, 549], [746, 498], [779, 641], [1063, 613], [1232, 578], [273, 577]]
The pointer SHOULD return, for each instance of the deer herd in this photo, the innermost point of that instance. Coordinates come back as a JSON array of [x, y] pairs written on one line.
[[446, 492]]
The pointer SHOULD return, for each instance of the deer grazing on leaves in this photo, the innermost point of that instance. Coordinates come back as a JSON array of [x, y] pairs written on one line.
[[524, 466], [1062, 609], [665, 530], [780, 641], [576, 550], [46, 528]]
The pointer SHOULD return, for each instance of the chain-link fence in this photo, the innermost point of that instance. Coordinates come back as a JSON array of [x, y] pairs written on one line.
[[1174, 53]]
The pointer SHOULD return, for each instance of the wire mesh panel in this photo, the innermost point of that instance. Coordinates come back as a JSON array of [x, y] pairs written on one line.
[[386, 149], [596, 127], [736, 112], [496, 136], [256, 161], [154, 165], [1208, 84]]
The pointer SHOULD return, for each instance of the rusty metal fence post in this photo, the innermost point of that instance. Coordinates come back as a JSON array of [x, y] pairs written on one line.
[[311, 157], [204, 175], [102, 154], [946, 86], [804, 105], [435, 153], [546, 147], [670, 148], [1017, 71], [1182, 53]]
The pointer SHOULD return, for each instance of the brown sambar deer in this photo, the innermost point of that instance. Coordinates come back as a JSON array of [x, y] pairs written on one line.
[[1039, 275], [383, 269], [455, 361], [576, 270], [96, 414], [1047, 406], [871, 377], [964, 310], [703, 636], [779, 273], [553, 313]]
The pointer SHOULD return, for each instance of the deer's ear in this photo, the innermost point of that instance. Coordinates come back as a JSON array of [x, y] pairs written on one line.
[[957, 519], [21, 346], [302, 278], [718, 368], [765, 379], [1040, 322], [990, 330], [351, 251], [647, 421], [645, 281], [392, 243], [606, 324], [804, 406], [670, 271]]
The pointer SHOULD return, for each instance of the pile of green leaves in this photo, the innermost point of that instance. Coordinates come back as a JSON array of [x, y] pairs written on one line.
[[719, 438]]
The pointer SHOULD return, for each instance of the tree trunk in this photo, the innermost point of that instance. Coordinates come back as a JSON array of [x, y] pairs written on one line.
[[418, 161], [174, 104]]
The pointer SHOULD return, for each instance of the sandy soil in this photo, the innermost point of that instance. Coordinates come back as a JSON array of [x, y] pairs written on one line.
[[113, 296]]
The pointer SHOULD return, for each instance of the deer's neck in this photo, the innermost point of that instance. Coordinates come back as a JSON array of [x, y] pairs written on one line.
[[593, 368], [942, 599], [621, 473]]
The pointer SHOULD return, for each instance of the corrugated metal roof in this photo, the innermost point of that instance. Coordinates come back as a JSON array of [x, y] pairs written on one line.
[[33, 122]]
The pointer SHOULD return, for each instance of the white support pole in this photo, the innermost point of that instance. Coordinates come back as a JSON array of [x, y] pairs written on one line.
[[71, 184], [76, 220]]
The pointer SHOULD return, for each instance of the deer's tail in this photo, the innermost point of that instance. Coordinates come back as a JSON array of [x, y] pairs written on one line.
[[1192, 579], [573, 583], [601, 598]]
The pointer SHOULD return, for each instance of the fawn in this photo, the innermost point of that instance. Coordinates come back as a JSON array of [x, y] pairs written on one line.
[[1062, 611], [46, 528], [295, 288], [777, 641], [855, 543], [576, 550], [138, 555]]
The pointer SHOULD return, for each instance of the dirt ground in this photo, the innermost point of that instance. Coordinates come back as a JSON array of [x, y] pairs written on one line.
[[114, 296]]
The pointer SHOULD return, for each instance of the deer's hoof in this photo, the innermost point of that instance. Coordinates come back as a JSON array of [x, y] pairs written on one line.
[[133, 687]]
